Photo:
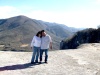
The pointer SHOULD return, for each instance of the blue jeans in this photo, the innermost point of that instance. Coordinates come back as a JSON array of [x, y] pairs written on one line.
[[46, 54], [36, 51]]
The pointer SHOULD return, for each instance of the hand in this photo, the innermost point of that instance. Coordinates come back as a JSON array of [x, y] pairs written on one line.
[[50, 47], [31, 47]]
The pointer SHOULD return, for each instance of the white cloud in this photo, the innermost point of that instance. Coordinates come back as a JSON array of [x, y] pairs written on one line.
[[96, 2], [74, 19], [8, 11]]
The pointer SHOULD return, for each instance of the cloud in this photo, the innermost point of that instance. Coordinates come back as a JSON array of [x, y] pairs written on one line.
[[73, 19], [8, 11], [84, 18], [97, 2]]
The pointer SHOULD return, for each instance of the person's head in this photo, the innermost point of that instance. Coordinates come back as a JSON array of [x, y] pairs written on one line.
[[43, 33], [38, 34]]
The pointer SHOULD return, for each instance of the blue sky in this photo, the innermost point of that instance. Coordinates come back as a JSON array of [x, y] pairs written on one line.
[[73, 13]]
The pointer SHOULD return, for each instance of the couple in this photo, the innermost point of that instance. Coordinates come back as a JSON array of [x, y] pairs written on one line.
[[40, 44]]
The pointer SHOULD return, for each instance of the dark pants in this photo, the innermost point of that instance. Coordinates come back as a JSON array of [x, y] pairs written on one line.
[[46, 54]]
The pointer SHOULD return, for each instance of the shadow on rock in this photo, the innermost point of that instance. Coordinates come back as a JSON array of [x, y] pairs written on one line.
[[17, 67]]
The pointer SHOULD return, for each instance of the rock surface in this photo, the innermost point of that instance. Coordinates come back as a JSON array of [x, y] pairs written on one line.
[[85, 36], [82, 61]]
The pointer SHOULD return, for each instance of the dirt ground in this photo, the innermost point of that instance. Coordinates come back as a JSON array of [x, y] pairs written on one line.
[[82, 61]]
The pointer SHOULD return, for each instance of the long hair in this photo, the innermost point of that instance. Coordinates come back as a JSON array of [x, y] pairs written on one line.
[[38, 34]]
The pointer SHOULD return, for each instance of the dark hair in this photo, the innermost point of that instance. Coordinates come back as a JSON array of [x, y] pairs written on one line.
[[38, 33], [42, 31]]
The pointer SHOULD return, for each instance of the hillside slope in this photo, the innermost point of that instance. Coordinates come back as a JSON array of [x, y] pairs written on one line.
[[82, 61], [17, 32], [85, 36]]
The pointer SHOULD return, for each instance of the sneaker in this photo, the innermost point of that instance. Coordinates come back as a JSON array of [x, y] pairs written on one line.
[[46, 62], [36, 62], [40, 62], [32, 62]]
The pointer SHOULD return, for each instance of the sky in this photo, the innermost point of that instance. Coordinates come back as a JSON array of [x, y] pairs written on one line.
[[73, 13]]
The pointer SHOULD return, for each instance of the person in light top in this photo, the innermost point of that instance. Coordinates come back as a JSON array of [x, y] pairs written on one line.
[[45, 44], [35, 46]]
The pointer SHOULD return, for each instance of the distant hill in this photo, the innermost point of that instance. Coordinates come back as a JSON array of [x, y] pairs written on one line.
[[59, 30], [85, 36], [17, 32]]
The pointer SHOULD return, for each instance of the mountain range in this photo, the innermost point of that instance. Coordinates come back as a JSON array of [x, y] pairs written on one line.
[[17, 32]]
